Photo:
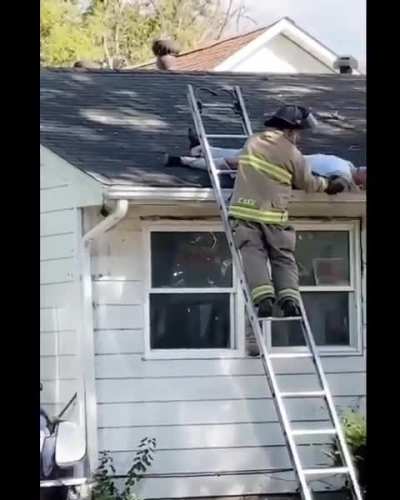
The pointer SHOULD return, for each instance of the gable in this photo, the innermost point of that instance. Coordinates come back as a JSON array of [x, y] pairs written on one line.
[[278, 55]]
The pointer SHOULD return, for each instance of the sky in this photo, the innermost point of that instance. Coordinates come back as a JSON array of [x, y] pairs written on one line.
[[339, 24]]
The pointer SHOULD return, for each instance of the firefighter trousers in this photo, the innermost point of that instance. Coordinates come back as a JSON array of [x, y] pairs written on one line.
[[260, 244]]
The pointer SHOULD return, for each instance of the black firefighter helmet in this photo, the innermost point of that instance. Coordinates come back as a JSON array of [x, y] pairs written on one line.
[[292, 117]]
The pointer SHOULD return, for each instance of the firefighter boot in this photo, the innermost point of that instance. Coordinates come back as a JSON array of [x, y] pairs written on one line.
[[290, 308], [265, 308]]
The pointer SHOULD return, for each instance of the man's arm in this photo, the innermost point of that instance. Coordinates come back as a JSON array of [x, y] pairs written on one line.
[[303, 177]]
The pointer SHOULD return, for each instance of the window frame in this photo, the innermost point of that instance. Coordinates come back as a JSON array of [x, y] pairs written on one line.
[[354, 290], [238, 324], [237, 316]]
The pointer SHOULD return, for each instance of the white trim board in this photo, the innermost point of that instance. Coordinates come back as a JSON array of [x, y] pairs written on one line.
[[289, 29]]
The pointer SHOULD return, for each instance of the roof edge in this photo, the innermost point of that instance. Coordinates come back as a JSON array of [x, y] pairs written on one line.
[[151, 194], [213, 73]]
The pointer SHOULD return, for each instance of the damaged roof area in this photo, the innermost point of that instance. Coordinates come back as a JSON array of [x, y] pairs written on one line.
[[118, 126]]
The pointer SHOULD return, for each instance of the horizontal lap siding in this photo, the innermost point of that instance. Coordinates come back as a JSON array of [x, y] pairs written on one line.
[[60, 270], [219, 388], [61, 343], [237, 435], [211, 412], [207, 415], [221, 459], [126, 365], [59, 289], [226, 486]]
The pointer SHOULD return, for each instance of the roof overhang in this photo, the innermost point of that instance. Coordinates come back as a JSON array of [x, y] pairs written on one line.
[[301, 205]]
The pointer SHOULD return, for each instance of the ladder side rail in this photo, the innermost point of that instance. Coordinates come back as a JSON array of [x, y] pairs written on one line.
[[310, 341], [343, 447], [267, 363], [245, 117]]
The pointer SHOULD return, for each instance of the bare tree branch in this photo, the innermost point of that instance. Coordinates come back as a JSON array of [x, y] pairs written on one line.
[[227, 18], [107, 53]]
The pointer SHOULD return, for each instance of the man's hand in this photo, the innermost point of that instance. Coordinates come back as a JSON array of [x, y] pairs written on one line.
[[335, 185], [232, 163]]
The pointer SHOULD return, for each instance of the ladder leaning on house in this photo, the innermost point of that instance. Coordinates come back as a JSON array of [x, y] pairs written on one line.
[[261, 327]]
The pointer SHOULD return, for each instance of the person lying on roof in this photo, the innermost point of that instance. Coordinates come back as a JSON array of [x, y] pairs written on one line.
[[328, 166]]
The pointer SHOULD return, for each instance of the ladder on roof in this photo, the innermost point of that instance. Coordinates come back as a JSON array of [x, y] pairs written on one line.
[[263, 327]]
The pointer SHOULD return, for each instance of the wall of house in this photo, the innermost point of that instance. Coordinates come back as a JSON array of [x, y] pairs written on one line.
[[62, 191], [210, 416], [280, 55], [59, 226]]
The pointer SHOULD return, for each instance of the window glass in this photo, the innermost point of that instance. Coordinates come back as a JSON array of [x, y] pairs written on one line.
[[190, 260], [328, 314], [323, 258], [190, 320]]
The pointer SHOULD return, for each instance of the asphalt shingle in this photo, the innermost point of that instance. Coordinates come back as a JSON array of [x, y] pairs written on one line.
[[117, 126]]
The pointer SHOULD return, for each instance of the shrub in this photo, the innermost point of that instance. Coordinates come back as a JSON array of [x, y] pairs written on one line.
[[355, 431], [105, 488]]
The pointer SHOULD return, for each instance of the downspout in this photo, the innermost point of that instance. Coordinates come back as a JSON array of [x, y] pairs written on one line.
[[87, 344]]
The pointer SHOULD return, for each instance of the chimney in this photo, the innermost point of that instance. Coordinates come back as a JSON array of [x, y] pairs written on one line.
[[345, 64], [165, 51]]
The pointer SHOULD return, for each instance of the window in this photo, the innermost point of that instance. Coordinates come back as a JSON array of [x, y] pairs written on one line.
[[193, 308], [329, 267], [191, 299]]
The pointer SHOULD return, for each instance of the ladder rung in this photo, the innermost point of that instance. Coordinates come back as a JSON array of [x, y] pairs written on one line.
[[310, 394], [326, 471], [219, 172], [313, 432], [273, 319], [225, 136], [290, 355], [217, 106]]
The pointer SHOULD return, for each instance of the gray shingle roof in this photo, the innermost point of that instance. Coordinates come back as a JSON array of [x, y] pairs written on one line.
[[117, 126]]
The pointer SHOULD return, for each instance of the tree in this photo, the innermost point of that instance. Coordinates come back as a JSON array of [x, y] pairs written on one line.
[[62, 37], [120, 29], [123, 30]]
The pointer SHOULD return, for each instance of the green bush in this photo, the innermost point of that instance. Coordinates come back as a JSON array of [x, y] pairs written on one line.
[[355, 431], [105, 488]]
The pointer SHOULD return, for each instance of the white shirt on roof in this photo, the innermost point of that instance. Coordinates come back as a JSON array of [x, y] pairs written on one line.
[[329, 165], [320, 164]]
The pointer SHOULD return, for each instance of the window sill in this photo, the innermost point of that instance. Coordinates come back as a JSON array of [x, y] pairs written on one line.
[[324, 351], [178, 354]]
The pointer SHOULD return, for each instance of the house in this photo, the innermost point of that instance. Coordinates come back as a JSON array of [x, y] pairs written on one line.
[[282, 47], [132, 253]]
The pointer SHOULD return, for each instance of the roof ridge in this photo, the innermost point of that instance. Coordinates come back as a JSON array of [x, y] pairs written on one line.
[[211, 44]]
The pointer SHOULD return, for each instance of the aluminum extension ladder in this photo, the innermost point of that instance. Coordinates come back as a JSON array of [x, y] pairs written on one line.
[[260, 327]]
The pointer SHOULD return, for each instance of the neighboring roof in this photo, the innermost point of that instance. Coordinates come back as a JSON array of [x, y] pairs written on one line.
[[117, 126], [217, 55], [210, 55]]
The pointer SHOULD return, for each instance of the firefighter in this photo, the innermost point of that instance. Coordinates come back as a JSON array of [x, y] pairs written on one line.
[[270, 165]]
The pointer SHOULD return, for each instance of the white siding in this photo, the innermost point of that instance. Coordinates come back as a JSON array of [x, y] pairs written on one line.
[[63, 189], [208, 415], [281, 55], [59, 286]]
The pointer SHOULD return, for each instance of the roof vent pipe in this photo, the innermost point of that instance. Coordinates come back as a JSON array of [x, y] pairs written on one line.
[[346, 65]]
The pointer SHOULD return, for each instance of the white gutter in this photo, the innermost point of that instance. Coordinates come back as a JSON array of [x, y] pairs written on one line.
[[87, 347], [142, 195], [152, 194]]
